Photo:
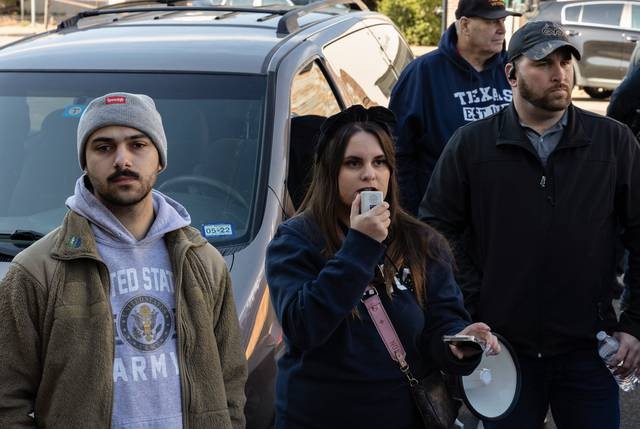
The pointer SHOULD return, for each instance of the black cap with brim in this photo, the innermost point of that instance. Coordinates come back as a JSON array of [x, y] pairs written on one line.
[[494, 14], [487, 9], [537, 39]]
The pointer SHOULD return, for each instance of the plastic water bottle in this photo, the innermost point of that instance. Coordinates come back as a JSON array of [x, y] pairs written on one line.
[[607, 348]]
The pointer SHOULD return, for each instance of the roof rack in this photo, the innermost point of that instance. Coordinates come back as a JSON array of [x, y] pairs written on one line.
[[73, 21], [289, 22]]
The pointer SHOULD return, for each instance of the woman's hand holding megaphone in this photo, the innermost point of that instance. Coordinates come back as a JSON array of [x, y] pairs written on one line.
[[374, 223]]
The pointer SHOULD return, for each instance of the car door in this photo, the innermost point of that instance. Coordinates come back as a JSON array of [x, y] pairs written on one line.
[[631, 34], [396, 49], [595, 27], [312, 101], [361, 69]]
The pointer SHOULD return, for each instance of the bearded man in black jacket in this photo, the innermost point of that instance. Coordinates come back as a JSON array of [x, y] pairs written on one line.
[[530, 199]]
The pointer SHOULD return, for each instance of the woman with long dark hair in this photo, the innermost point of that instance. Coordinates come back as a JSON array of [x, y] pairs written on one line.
[[336, 371]]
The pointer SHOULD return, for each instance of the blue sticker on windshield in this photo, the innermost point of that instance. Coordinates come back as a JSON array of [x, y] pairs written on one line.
[[217, 230], [73, 111]]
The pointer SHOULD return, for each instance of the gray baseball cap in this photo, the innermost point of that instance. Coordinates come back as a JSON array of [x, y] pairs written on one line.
[[129, 110], [537, 39]]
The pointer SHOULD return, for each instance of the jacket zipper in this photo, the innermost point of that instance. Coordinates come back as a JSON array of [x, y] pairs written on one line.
[[184, 382], [543, 183], [104, 273], [548, 188]]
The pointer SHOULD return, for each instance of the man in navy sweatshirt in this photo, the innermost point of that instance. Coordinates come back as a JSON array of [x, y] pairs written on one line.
[[461, 81]]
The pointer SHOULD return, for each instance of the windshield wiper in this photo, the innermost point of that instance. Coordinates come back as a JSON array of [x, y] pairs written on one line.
[[26, 235], [12, 243], [22, 235], [7, 254]]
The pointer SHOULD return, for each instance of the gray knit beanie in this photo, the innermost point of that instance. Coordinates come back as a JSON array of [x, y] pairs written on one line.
[[129, 110]]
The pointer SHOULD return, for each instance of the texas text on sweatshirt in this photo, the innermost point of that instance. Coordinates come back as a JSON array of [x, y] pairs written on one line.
[[145, 368], [436, 94]]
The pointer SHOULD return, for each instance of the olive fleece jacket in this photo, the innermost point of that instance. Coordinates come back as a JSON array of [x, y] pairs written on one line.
[[57, 334]]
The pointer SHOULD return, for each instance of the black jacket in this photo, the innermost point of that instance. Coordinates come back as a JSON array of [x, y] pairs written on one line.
[[336, 369], [535, 245], [625, 102]]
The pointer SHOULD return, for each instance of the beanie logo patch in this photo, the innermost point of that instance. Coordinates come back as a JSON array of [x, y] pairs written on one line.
[[117, 99]]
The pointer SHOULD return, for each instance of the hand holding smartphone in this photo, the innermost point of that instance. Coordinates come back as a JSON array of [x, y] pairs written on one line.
[[470, 341]]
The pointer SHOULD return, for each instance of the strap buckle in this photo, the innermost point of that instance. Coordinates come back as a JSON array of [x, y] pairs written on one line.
[[404, 367], [368, 293]]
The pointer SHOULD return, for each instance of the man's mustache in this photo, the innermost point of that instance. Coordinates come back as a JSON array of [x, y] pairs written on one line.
[[123, 173]]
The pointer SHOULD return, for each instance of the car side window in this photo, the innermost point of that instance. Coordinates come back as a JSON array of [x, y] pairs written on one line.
[[397, 50], [367, 77], [602, 14], [312, 101], [311, 93], [635, 17], [572, 13]]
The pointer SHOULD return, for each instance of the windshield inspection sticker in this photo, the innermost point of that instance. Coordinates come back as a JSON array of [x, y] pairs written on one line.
[[217, 229], [73, 111]]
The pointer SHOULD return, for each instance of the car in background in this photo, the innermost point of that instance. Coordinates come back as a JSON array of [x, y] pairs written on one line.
[[605, 32], [9, 6], [239, 3], [242, 92]]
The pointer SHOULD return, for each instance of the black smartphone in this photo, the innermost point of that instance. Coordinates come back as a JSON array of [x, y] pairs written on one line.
[[464, 341]]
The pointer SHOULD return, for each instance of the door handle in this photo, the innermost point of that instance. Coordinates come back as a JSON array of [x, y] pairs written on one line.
[[628, 38], [572, 33]]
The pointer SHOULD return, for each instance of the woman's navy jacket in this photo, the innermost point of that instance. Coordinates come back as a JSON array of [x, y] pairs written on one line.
[[336, 371]]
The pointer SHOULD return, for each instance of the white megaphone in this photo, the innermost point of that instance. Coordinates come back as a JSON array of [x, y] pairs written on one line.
[[492, 389]]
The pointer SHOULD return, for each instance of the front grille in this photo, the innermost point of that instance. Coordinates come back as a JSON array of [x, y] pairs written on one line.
[[4, 258]]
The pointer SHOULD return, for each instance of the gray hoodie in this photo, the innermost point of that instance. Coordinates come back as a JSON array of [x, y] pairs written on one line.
[[145, 368]]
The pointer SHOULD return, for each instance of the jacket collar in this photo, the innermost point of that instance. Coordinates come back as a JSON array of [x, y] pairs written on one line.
[[76, 239], [180, 240], [512, 133]]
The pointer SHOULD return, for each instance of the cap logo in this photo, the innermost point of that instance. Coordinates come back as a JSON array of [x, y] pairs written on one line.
[[118, 99], [552, 30], [496, 3]]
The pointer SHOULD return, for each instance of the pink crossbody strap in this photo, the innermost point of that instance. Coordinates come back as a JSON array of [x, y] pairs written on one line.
[[380, 318]]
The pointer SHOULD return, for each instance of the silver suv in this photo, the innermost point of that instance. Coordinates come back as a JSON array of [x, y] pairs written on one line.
[[242, 91], [604, 31]]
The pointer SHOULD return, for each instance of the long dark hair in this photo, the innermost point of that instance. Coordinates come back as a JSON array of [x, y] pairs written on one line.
[[410, 243]]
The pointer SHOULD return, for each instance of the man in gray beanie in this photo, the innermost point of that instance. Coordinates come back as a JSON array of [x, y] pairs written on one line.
[[123, 316], [130, 110]]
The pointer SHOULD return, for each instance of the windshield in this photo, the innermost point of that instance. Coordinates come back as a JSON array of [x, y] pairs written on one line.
[[213, 125]]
